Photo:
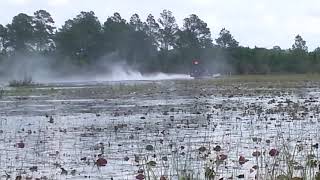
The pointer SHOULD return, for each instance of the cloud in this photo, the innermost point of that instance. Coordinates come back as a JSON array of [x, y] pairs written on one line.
[[57, 2], [20, 2], [201, 2], [252, 22]]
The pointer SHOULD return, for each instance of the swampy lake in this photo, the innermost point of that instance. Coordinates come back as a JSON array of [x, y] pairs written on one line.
[[224, 128]]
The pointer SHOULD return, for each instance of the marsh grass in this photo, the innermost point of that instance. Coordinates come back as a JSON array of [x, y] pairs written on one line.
[[257, 81], [272, 78]]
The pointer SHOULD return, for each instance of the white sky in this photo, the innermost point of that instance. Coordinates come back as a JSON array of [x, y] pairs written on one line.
[[262, 23]]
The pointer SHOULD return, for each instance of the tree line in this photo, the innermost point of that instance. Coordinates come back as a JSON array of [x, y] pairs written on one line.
[[153, 45]]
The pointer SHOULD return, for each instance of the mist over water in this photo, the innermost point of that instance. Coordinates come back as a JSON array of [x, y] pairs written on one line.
[[42, 70], [117, 74]]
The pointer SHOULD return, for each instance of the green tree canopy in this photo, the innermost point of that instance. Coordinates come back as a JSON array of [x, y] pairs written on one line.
[[317, 50], [226, 40], [21, 33], [80, 38], [168, 30], [3, 39], [116, 32], [195, 33], [150, 46], [152, 29], [43, 31], [299, 45], [136, 23]]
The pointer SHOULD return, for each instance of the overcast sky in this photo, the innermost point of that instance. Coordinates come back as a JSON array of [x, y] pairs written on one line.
[[262, 23]]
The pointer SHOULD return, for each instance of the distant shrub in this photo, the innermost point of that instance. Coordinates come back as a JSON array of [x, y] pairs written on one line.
[[1, 93], [26, 81]]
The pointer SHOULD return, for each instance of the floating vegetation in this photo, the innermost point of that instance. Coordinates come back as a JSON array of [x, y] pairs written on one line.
[[206, 130]]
